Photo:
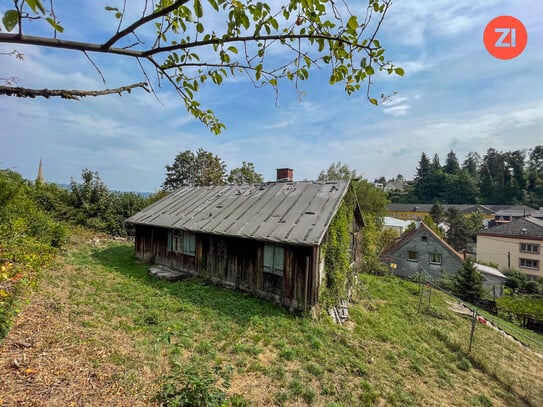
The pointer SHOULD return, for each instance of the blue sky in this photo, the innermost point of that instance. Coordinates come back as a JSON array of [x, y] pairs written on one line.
[[454, 95]]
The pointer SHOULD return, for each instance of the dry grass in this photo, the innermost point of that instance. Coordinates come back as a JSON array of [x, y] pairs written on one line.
[[51, 358]]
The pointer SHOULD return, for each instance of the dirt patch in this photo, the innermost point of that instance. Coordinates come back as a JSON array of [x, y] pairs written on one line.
[[48, 359]]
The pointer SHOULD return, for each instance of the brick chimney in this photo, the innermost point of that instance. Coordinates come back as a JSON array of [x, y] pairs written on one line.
[[285, 174]]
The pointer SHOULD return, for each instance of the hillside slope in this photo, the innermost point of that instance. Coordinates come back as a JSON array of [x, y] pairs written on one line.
[[99, 331]]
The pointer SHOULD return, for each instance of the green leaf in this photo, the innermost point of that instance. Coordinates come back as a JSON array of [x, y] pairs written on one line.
[[399, 71], [55, 25], [109, 8], [10, 20], [352, 23], [35, 5], [374, 101], [369, 70], [198, 10], [199, 27]]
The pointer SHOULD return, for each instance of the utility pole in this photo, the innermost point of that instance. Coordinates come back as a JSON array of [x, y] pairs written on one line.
[[509, 261]]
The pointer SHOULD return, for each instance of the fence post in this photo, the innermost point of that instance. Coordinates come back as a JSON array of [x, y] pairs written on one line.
[[473, 323]]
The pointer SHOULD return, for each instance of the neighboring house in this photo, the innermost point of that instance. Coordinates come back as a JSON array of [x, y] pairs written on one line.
[[267, 239], [516, 212], [397, 225], [421, 250], [395, 185], [515, 244]]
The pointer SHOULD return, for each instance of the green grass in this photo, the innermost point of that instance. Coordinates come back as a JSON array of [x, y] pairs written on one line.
[[387, 354]]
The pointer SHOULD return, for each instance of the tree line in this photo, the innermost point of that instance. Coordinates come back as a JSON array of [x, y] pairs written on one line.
[[500, 178]]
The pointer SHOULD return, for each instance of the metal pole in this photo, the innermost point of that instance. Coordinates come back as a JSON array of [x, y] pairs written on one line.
[[473, 323]]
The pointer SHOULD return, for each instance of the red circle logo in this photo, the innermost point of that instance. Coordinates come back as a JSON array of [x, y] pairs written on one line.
[[505, 37]]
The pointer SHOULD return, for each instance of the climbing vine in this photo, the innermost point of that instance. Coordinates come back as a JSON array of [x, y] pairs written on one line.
[[338, 272]]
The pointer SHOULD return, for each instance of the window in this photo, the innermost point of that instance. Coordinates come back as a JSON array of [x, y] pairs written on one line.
[[182, 242], [435, 258], [274, 259], [529, 264], [424, 238], [529, 248], [412, 256]]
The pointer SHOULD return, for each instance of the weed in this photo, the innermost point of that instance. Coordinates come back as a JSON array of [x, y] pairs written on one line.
[[287, 354], [314, 369], [416, 367], [189, 387], [481, 400], [464, 364]]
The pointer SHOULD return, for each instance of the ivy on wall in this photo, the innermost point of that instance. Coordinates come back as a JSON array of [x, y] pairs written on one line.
[[338, 273]]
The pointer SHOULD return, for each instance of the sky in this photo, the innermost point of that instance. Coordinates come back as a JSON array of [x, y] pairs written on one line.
[[454, 96]]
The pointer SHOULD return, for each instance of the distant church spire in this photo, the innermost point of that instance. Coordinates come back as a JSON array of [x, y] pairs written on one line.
[[40, 173]]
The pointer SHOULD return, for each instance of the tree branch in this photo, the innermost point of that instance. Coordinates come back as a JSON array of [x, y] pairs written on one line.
[[64, 93], [132, 27], [66, 44], [251, 38]]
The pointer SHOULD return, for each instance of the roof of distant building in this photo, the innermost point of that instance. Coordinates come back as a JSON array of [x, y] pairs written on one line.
[[519, 228], [393, 222], [482, 268]]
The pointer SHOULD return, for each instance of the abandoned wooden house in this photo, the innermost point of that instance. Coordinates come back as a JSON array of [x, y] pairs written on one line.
[[268, 239]]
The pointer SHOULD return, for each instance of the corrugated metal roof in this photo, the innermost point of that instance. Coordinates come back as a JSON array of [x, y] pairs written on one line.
[[284, 212]]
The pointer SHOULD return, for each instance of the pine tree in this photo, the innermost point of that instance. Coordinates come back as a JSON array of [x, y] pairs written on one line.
[[468, 283]]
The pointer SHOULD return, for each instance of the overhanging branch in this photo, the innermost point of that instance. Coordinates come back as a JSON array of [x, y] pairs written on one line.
[[65, 93]]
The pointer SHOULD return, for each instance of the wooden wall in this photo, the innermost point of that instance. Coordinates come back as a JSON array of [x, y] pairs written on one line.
[[238, 263]]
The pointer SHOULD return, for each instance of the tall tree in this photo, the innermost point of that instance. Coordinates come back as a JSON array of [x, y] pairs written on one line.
[[337, 172], [515, 177], [245, 174], [458, 234], [451, 164], [91, 201], [436, 164], [534, 178], [372, 200], [191, 48], [493, 176], [471, 164], [189, 169], [423, 170]]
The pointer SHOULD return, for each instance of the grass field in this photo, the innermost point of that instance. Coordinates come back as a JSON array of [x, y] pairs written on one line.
[[114, 335]]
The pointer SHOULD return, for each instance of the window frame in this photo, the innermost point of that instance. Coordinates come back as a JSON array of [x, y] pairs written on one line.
[[414, 260], [182, 242], [274, 259], [432, 259], [528, 246], [535, 262]]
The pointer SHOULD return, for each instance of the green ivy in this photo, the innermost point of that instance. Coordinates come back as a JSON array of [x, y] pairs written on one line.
[[339, 274]]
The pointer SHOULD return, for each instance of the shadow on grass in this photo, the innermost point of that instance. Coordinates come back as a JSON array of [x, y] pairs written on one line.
[[475, 361], [240, 307]]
